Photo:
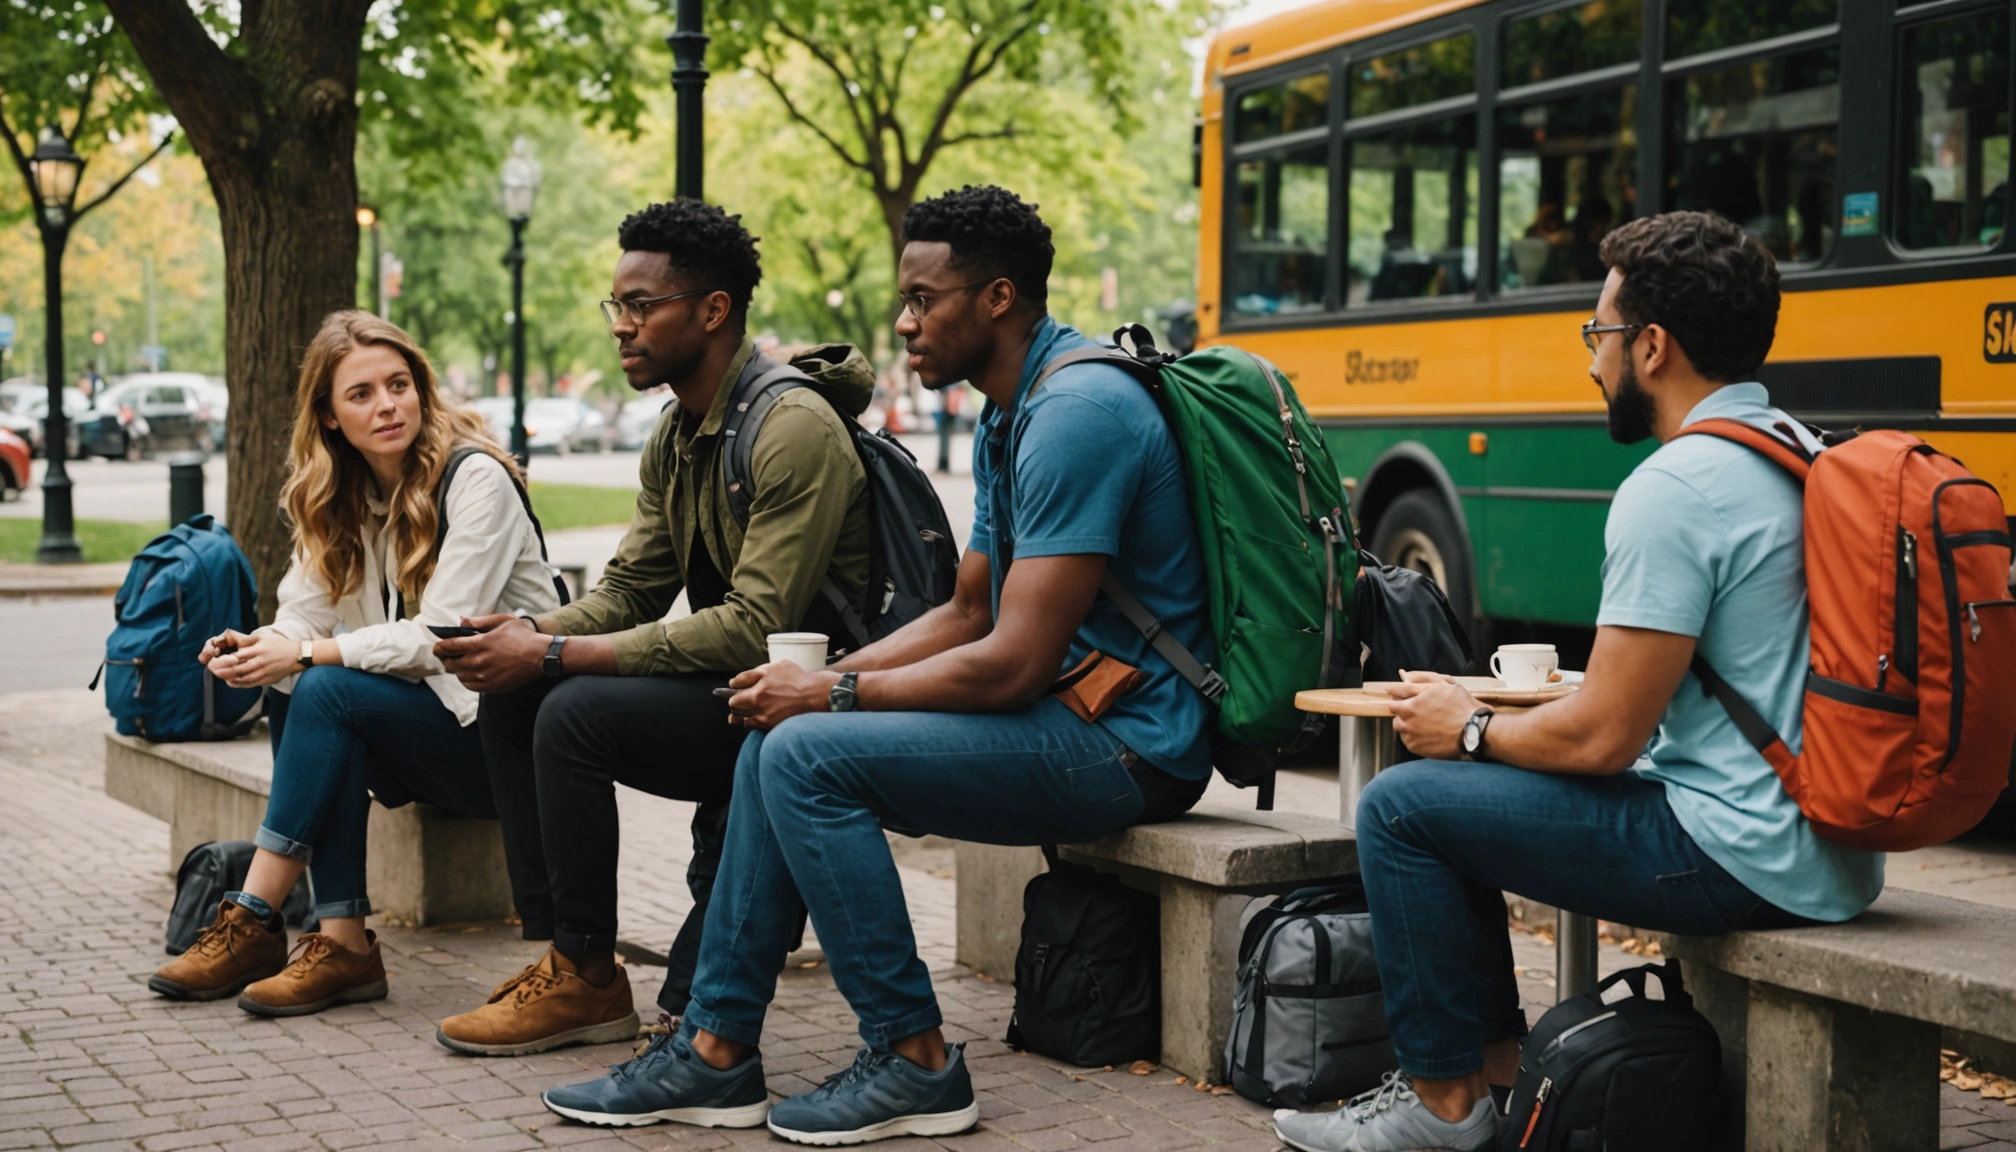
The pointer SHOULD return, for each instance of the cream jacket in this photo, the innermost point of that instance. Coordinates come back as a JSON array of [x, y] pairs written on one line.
[[489, 563]]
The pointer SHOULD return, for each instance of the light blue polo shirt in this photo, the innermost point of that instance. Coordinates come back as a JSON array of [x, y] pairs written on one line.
[[1704, 540], [1096, 470]]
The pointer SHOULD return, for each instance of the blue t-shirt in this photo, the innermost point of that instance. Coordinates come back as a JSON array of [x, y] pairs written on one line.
[[1097, 470], [1704, 540]]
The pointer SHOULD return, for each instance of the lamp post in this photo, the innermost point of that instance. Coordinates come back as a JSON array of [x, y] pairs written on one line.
[[689, 82], [521, 188], [367, 219], [55, 169]]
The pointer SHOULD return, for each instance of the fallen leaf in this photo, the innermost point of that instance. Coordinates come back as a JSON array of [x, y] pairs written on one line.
[[1220, 1090], [1107, 1068], [1141, 1068], [1654, 948], [1182, 1079], [1967, 1081], [1633, 945], [809, 964]]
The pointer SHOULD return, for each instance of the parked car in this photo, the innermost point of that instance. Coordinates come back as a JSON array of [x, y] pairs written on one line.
[[151, 412], [24, 411], [636, 419], [496, 411], [13, 465], [565, 424]]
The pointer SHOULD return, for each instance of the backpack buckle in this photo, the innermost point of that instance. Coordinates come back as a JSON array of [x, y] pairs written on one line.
[[1213, 686]]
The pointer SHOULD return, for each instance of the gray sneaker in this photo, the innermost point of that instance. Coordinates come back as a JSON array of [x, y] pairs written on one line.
[[1389, 1118]]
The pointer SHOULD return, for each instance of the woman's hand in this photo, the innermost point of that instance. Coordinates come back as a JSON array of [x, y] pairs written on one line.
[[773, 693], [224, 642], [257, 660]]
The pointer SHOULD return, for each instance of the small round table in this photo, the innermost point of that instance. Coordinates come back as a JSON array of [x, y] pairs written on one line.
[[1367, 746]]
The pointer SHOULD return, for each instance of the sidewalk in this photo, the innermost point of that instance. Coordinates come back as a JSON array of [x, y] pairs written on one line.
[[61, 579]]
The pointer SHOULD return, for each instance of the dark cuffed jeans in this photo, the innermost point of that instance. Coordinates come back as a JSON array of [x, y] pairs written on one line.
[[1440, 842], [812, 799], [340, 732], [557, 749]]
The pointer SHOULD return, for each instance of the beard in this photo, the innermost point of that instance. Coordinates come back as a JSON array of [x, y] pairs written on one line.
[[1631, 411]]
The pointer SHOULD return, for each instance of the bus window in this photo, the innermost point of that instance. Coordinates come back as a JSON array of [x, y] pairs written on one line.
[[1570, 40], [1567, 174], [1697, 26], [1758, 143], [1417, 75], [1281, 233], [1279, 109], [1413, 211], [1954, 168]]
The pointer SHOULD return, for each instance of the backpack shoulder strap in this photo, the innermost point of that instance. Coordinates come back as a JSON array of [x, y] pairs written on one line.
[[1193, 670], [756, 392], [441, 487], [1755, 729], [1784, 451]]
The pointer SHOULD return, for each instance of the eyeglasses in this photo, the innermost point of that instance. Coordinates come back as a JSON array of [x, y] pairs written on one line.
[[1592, 330], [918, 303], [635, 308]]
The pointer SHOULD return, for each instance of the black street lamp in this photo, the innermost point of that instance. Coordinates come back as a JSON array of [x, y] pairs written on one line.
[[54, 171], [521, 188], [367, 219], [689, 83]]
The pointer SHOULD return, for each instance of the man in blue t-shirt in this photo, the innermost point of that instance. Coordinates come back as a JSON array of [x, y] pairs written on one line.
[[1635, 799], [950, 725]]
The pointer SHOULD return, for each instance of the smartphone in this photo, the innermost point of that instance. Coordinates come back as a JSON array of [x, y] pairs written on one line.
[[451, 631], [725, 693]]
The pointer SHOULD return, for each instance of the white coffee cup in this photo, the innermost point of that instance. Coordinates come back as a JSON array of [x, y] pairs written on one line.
[[805, 649], [1524, 667]]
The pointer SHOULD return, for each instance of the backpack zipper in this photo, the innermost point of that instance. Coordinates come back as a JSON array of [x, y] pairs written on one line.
[[1906, 628], [1974, 620], [1539, 1101]]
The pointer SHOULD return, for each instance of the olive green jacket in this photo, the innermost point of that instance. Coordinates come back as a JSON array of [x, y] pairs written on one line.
[[808, 515]]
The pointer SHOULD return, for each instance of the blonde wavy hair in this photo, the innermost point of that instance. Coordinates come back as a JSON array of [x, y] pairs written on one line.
[[324, 497]]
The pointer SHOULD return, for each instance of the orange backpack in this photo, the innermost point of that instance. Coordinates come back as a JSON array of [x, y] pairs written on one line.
[[1910, 710]]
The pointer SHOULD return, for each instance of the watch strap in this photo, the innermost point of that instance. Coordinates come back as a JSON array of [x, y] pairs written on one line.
[[307, 658], [551, 665], [844, 696]]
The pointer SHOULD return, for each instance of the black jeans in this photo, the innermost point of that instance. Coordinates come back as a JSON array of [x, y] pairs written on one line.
[[557, 749]]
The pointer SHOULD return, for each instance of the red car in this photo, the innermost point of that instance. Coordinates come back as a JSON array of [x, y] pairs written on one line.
[[13, 465]]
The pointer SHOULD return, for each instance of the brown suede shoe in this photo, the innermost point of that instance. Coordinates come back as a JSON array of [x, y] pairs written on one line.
[[233, 952], [546, 1006], [322, 973]]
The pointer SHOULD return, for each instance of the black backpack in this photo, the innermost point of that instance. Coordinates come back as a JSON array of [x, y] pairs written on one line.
[[210, 870], [1405, 621], [1308, 1011], [913, 561], [1088, 977], [1627, 1073]]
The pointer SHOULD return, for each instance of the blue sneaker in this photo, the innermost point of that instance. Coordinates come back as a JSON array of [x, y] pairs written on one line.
[[880, 1096], [667, 1081]]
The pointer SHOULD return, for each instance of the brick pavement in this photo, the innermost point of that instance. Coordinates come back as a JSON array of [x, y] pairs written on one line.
[[90, 1059]]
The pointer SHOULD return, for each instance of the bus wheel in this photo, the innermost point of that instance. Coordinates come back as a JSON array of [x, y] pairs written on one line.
[[1417, 531]]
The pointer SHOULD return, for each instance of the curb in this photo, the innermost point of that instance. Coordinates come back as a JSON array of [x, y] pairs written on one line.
[[24, 580]]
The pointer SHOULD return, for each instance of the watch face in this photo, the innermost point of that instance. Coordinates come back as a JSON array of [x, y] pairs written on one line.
[[1471, 734]]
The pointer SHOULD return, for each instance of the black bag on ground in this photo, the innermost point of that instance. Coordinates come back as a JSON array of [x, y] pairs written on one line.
[[1308, 1013], [1405, 621], [1088, 976], [1612, 1069], [207, 873]]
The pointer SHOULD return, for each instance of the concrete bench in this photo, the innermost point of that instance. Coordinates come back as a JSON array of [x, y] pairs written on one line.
[[1206, 867], [425, 865], [1831, 1034]]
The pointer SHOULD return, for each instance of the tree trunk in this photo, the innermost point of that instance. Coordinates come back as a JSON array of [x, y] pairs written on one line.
[[276, 129]]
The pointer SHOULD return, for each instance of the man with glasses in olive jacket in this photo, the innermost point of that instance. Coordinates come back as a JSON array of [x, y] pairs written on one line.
[[606, 690]]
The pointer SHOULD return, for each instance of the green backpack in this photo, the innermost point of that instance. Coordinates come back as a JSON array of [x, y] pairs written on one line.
[[1280, 563]]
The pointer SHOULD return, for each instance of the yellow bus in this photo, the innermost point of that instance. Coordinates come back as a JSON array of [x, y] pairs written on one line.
[[1402, 200]]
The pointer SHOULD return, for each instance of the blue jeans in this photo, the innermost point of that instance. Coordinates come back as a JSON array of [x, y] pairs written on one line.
[[341, 734], [811, 800], [1438, 842]]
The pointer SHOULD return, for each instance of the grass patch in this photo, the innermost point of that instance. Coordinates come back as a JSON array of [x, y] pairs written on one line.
[[104, 541], [582, 505]]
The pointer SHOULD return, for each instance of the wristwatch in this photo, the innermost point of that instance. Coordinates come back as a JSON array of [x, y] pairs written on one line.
[[842, 696], [552, 664], [1473, 735], [307, 654]]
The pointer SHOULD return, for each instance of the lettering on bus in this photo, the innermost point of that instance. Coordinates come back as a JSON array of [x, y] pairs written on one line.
[[1999, 325], [1362, 369]]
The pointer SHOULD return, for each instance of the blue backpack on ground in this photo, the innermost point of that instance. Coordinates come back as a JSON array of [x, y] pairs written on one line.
[[187, 585]]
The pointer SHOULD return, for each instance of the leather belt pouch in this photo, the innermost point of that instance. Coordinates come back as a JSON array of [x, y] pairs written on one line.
[[1091, 688]]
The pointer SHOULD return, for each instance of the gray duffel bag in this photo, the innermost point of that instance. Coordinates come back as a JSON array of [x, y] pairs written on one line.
[[1308, 1016]]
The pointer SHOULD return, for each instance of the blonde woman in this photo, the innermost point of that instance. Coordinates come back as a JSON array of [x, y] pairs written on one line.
[[356, 699]]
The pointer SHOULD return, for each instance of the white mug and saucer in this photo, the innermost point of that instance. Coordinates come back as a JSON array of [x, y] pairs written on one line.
[[805, 649], [1525, 667]]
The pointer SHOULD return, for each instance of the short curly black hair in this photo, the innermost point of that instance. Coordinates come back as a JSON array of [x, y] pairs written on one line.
[[1700, 276], [706, 247], [993, 233]]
